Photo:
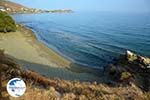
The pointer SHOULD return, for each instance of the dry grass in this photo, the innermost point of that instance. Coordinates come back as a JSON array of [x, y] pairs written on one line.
[[42, 88], [82, 91]]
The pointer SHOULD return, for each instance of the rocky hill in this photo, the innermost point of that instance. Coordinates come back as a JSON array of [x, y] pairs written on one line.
[[12, 7]]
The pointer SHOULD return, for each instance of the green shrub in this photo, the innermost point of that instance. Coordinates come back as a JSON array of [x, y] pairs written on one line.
[[125, 75], [7, 24]]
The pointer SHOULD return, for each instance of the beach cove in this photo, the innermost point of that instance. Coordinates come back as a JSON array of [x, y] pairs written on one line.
[[23, 46], [92, 41], [74, 55]]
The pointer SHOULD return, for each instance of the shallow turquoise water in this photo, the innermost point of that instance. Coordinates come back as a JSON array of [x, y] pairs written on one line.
[[93, 39]]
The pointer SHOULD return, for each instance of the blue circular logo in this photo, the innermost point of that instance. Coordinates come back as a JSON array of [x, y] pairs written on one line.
[[16, 87]]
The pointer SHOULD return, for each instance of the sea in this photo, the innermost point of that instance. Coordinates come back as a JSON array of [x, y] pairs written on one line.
[[92, 39]]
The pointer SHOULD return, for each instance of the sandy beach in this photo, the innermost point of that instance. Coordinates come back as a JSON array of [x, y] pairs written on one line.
[[23, 46]]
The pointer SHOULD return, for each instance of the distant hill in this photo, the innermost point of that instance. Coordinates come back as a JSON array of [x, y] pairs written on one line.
[[11, 6]]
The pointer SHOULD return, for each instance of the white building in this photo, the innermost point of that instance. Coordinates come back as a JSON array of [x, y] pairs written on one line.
[[2, 8]]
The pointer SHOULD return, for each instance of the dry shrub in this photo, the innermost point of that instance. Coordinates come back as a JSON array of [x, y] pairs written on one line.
[[66, 90]]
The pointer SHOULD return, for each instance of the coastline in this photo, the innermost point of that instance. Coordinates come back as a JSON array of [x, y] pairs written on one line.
[[29, 52], [48, 74]]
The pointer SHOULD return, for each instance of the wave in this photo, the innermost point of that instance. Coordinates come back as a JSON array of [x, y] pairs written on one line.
[[92, 55], [91, 40], [105, 49]]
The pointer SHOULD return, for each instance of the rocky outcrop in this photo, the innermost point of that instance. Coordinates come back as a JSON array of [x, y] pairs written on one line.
[[130, 68]]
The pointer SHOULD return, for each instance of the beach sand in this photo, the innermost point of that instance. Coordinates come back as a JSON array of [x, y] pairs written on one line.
[[23, 46]]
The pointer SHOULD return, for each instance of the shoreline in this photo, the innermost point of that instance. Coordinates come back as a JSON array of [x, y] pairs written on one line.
[[42, 46], [36, 56], [76, 64]]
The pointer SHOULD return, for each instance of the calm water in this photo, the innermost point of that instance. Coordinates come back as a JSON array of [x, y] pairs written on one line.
[[91, 39]]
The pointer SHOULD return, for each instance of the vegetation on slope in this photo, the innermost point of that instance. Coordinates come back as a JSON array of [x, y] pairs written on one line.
[[7, 24], [40, 87]]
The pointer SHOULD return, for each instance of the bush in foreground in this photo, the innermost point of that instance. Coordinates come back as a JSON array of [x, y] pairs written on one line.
[[7, 24]]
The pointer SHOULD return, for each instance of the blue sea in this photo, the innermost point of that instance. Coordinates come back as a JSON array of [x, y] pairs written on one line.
[[92, 39]]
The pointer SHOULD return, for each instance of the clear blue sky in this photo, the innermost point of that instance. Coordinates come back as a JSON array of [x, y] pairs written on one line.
[[94, 5]]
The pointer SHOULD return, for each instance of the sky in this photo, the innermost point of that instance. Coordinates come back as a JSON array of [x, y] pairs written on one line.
[[90, 5]]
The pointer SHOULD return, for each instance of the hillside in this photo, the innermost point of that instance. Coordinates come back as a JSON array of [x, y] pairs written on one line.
[[40, 87], [11, 6]]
